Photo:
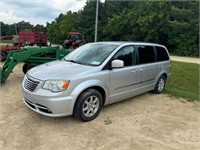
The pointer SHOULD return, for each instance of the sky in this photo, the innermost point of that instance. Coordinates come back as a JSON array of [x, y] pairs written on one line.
[[36, 11]]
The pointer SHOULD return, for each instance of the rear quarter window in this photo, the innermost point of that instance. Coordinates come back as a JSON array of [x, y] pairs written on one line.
[[162, 54], [146, 54]]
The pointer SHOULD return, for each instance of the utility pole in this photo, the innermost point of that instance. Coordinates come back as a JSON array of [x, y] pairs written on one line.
[[96, 21], [15, 29]]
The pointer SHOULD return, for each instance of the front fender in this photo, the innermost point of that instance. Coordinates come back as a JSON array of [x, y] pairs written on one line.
[[87, 84]]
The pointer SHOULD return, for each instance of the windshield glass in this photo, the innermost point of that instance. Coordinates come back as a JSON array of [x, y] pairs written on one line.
[[90, 54]]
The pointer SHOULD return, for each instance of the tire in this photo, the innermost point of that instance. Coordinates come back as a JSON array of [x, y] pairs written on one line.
[[160, 85], [66, 46], [3, 56], [80, 44], [25, 68], [88, 105]]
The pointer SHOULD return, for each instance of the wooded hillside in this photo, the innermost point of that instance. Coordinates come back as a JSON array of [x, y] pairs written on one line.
[[174, 24]]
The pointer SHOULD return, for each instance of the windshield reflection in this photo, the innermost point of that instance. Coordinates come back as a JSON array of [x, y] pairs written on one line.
[[90, 54]]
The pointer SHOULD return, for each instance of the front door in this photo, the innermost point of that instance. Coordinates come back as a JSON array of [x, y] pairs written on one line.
[[123, 81]]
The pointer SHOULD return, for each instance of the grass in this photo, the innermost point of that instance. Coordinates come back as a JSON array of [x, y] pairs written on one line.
[[184, 81], [6, 41]]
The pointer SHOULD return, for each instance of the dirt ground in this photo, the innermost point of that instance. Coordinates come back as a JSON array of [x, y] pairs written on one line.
[[146, 122], [186, 59]]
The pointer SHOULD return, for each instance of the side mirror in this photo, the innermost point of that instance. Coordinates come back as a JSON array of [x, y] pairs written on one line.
[[117, 63]]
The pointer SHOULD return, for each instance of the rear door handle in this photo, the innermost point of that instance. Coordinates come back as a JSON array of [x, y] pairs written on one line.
[[142, 69]]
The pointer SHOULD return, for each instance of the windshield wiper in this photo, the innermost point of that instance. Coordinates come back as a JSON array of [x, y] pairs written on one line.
[[73, 61], [70, 61]]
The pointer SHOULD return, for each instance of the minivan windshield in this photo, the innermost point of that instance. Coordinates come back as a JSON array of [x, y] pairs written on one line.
[[92, 54]]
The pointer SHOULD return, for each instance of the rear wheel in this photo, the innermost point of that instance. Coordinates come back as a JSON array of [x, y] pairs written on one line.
[[160, 85], [88, 105]]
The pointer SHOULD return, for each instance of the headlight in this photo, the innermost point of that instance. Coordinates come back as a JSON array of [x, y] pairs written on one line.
[[56, 85]]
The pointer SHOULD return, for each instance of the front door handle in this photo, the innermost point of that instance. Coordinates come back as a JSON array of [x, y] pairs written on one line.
[[133, 71]]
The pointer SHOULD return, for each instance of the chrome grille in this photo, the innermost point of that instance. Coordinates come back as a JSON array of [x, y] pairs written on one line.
[[30, 84]]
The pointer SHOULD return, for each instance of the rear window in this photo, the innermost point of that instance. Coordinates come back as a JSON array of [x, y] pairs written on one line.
[[146, 54], [161, 54]]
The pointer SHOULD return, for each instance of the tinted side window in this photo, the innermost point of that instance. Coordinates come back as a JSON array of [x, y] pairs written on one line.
[[146, 54], [126, 54], [161, 54]]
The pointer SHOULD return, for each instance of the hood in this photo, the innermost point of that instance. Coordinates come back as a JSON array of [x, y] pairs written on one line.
[[58, 70]]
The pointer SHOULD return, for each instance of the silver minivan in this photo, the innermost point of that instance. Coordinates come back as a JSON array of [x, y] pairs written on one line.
[[94, 75]]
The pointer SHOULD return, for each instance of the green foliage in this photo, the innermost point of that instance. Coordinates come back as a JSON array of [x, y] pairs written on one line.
[[58, 29], [184, 27], [54, 33], [107, 121], [184, 80], [20, 26], [86, 20], [68, 23], [138, 23], [40, 28], [171, 23], [174, 24], [6, 42]]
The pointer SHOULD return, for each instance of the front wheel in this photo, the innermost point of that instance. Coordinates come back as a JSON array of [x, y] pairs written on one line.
[[88, 105], [160, 85]]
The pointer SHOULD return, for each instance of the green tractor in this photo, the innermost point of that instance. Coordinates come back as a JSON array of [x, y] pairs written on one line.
[[31, 56]]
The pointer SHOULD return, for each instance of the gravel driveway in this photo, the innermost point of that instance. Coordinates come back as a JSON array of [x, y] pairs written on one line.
[[148, 121], [186, 59]]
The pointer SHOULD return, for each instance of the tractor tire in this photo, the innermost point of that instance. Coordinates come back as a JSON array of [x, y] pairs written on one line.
[[66, 46], [26, 67], [80, 44], [3, 56]]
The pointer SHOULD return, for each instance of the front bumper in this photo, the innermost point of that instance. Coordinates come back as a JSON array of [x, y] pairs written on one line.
[[51, 109], [48, 103]]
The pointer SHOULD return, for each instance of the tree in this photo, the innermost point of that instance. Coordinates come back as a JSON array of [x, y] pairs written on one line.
[[53, 31], [184, 27], [40, 28], [86, 20], [21, 26], [7, 29], [68, 23], [138, 23], [171, 23], [4, 29]]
